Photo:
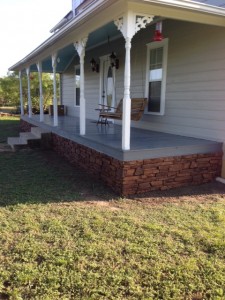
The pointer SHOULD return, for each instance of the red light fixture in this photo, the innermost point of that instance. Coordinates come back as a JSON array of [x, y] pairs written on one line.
[[158, 37]]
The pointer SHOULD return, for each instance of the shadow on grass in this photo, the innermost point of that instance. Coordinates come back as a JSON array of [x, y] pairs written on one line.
[[9, 126], [196, 192], [37, 176]]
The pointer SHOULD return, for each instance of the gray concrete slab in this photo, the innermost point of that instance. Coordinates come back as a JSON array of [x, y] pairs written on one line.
[[108, 139]]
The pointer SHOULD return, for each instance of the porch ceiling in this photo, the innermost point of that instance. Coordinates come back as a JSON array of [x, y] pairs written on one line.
[[68, 53], [97, 22]]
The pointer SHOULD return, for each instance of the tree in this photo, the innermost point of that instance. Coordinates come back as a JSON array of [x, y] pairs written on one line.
[[10, 91]]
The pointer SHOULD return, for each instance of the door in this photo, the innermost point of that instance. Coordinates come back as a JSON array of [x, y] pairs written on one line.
[[107, 82]]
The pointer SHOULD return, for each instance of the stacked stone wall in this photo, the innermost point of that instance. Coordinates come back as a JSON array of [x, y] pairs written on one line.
[[138, 176], [25, 126]]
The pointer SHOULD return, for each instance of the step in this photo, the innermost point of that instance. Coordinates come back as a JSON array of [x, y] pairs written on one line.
[[37, 131], [30, 139], [26, 139], [26, 136], [16, 143]]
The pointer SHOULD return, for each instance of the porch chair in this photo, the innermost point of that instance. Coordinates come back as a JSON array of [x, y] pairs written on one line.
[[137, 110]]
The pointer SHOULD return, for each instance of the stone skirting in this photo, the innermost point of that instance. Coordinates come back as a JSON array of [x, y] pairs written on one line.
[[139, 176], [25, 126]]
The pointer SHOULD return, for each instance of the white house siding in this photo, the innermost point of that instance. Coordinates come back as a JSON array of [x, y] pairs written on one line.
[[195, 92]]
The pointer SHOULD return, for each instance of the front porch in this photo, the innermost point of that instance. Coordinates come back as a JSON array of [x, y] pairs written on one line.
[[155, 161]]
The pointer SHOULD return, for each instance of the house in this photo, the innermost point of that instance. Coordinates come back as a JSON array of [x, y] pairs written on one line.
[[172, 53]]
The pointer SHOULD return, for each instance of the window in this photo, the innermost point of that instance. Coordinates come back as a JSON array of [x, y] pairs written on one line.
[[77, 86], [156, 76]]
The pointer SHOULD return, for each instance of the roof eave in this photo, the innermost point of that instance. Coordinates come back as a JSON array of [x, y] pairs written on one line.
[[97, 5], [192, 5]]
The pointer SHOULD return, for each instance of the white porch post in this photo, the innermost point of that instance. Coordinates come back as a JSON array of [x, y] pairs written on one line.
[[126, 99], [80, 47], [21, 94], [129, 24], [55, 104], [28, 93], [39, 67]]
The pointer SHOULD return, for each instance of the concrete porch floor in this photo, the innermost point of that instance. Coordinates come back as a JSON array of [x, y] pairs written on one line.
[[106, 139]]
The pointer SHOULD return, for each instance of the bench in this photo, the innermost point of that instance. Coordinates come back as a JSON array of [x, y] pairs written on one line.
[[137, 110]]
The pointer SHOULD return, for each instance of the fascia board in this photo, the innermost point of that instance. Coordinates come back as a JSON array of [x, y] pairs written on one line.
[[177, 12], [191, 5]]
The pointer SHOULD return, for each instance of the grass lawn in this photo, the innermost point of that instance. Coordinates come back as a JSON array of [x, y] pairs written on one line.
[[65, 236], [8, 127]]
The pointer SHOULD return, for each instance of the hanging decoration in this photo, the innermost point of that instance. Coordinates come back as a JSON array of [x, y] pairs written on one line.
[[114, 61], [94, 65], [158, 37]]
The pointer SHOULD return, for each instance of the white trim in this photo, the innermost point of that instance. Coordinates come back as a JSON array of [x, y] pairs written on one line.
[[39, 67], [192, 5], [150, 46], [55, 102], [29, 93], [21, 94]]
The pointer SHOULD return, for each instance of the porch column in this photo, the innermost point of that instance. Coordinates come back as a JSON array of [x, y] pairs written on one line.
[[55, 104], [39, 67], [126, 99], [80, 47], [129, 25], [21, 94], [28, 93]]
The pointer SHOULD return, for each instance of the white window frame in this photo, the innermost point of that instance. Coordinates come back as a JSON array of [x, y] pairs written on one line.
[[75, 98], [150, 46]]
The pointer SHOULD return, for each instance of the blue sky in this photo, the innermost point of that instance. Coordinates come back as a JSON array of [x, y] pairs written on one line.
[[24, 24]]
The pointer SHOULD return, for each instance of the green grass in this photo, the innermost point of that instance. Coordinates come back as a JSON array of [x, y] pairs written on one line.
[[8, 127], [64, 236]]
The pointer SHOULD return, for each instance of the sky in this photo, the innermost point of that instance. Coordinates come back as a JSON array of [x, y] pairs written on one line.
[[24, 25]]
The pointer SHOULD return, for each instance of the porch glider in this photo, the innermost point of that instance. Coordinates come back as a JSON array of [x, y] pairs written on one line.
[[137, 110]]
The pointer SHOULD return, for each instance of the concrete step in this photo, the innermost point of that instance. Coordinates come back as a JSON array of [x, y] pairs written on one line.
[[16, 143], [30, 139], [26, 136], [37, 131], [25, 140]]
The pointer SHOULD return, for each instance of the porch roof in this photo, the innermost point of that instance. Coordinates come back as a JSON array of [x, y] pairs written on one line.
[[219, 3], [145, 144], [97, 22]]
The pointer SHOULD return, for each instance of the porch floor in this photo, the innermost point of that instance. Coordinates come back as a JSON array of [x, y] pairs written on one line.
[[145, 144]]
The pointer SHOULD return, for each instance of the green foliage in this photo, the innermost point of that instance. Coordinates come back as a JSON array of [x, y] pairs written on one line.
[[10, 91]]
